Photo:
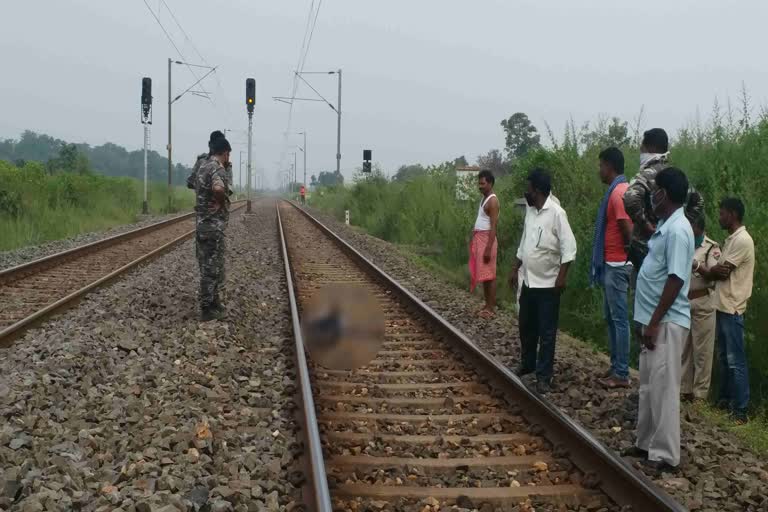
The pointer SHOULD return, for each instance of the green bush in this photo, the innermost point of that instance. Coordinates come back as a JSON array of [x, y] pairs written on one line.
[[36, 207]]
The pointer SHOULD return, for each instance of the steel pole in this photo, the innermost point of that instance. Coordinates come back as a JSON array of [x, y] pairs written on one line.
[[250, 149], [295, 169], [305, 158], [145, 205], [338, 129], [240, 180], [170, 165]]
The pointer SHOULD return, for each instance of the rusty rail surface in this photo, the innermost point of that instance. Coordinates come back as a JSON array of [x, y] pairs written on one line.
[[35, 290], [434, 416]]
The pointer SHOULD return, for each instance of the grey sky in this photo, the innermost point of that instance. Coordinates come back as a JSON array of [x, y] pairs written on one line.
[[424, 80]]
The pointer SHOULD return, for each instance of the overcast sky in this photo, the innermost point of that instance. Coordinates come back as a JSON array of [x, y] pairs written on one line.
[[423, 80]]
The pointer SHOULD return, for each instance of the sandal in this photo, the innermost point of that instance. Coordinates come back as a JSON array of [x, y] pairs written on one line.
[[485, 314]]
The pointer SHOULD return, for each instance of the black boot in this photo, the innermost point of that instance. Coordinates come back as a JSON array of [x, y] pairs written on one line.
[[209, 313]]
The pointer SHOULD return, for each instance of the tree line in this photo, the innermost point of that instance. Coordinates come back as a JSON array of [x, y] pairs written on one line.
[[521, 137], [59, 156]]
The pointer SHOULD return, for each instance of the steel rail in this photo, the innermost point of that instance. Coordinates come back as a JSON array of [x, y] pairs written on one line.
[[8, 334], [615, 477], [322, 495], [30, 267]]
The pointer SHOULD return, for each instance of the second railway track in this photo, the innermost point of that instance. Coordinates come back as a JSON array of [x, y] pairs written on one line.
[[35, 290], [434, 421]]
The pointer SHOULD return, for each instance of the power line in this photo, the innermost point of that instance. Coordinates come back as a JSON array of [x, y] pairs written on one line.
[[183, 58], [303, 53], [184, 33], [200, 56], [165, 32], [312, 32], [306, 31]]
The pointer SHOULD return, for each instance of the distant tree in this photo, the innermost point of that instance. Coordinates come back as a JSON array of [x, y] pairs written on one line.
[[330, 179], [493, 161], [460, 162], [70, 159], [521, 135], [605, 134], [109, 159], [408, 172], [313, 181], [40, 147]]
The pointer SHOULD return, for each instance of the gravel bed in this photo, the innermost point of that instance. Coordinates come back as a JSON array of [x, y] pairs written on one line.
[[717, 473], [129, 403], [463, 504], [469, 427], [24, 254]]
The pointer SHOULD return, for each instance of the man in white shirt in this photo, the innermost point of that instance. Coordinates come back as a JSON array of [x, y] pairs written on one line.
[[547, 248]]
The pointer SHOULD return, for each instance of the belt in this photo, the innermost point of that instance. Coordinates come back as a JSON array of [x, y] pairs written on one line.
[[697, 294]]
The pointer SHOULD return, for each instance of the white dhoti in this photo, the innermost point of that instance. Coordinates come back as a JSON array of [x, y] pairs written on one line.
[[658, 417]]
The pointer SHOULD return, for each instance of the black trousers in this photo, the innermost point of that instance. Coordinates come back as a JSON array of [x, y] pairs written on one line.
[[538, 319]]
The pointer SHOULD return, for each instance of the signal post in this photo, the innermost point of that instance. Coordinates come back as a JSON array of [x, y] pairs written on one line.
[[250, 100], [146, 120]]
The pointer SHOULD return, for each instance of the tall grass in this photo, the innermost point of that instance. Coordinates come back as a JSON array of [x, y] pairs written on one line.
[[719, 160], [36, 207]]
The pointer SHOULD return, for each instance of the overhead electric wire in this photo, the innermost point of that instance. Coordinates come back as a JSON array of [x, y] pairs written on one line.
[[303, 53], [311, 33], [200, 56], [170, 39]]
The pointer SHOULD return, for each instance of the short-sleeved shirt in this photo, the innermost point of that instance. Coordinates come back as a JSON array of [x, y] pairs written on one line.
[[670, 252], [733, 293], [615, 251], [707, 254]]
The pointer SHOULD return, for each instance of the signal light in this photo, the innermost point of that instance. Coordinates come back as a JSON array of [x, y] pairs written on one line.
[[146, 98], [250, 93], [146, 91], [367, 155]]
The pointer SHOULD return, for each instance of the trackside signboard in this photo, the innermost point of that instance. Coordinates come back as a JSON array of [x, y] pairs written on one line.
[[466, 182]]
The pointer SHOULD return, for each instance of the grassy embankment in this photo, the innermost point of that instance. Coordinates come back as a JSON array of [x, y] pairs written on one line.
[[424, 213], [36, 207]]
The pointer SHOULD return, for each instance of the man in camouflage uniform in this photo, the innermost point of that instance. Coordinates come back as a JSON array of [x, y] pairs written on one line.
[[654, 154], [212, 208], [204, 157]]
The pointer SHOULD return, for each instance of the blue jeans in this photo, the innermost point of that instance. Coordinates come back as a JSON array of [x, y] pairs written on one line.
[[732, 361], [537, 322], [616, 290]]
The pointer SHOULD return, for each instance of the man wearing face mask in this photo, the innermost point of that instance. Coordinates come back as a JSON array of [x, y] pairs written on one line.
[[699, 347], [654, 154], [663, 311], [212, 208], [547, 248]]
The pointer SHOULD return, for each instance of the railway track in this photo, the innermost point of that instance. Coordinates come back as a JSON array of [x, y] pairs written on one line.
[[434, 421], [35, 290]]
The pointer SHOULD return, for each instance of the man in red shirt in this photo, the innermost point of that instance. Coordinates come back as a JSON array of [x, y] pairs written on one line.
[[610, 268], [303, 193]]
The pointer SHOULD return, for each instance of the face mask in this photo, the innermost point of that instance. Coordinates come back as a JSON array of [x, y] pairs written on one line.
[[645, 158], [699, 240], [529, 199]]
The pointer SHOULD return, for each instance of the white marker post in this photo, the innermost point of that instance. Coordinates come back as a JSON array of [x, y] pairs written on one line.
[[346, 217]]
